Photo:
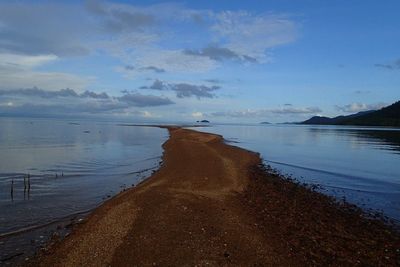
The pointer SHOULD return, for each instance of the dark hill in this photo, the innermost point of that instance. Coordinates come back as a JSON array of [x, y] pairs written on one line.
[[388, 116], [335, 120]]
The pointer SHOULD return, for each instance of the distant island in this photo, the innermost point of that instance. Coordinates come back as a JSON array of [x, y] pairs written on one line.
[[265, 122], [387, 116], [204, 121]]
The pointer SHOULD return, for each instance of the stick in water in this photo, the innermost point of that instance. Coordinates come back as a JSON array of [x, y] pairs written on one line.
[[12, 189], [29, 182]]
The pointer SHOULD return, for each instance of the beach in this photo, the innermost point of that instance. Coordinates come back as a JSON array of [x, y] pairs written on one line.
[[215, 204]]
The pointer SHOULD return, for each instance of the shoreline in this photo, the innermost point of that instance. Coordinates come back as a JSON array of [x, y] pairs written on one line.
[[222, 208]]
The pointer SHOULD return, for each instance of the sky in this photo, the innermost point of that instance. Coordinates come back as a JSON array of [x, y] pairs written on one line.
[[224, 61]]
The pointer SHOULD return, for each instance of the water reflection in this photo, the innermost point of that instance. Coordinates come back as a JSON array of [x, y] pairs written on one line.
[[72, 166]]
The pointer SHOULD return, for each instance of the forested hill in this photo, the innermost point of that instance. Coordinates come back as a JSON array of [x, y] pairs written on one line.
[[388, 116]]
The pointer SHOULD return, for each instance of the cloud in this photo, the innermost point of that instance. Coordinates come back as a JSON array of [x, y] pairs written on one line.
[[358, 107], [248, 34], [95, 7], [155, 69], [15, 61], [138, 35], [139, 100], [37, 29], [391, 66], [117, 18], [217, 81], [362, 92], [150, 68], [18, 71], [129, 67], [39, 101], [267, 112], [245, 37], [187, 90], [286, 110], [162, 60], [36, 92], [197, 115], [184, 90], [124, 20], [145, 40], [219, 54], [237, 36], [94, 95], [157, 85]]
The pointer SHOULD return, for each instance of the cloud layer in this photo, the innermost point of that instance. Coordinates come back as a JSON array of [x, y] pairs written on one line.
[[358, 107], [260, 113], [390, 66], [67, 101], [184, 90]]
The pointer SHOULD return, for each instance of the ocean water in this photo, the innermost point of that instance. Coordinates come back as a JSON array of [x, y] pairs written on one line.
[[73, 166], [360, 164]]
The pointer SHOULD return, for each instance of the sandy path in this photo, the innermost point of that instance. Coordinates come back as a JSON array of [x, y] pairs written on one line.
[[196, 210]]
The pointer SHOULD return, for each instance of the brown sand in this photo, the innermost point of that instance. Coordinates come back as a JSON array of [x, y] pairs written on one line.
[[213, 204]]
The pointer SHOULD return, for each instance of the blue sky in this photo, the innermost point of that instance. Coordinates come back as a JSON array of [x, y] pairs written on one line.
[[226, 61]]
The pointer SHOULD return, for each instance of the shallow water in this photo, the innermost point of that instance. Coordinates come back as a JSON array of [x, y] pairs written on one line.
[[360, 164], [73, 166]]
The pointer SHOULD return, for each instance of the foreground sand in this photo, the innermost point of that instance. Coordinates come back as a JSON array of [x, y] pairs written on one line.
[[213, 204]]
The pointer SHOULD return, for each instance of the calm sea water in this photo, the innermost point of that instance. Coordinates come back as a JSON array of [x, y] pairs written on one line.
[[73, 166], [360, 164]]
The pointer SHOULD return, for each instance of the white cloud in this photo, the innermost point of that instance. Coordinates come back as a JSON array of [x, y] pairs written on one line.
[[42, 28], [39, 101], [45, 80], [18, 71], [234, 35], [151, 38], [258, 113], [168, 60], [184, 90], [358, 107], [24, 61], [251, 35], [197, 115]]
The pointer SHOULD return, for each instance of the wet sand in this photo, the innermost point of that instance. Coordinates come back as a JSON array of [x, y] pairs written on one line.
[[214, 204]]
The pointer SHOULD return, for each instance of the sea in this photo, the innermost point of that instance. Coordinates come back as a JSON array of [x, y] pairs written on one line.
[[53, 171]]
